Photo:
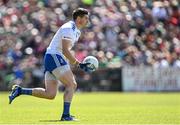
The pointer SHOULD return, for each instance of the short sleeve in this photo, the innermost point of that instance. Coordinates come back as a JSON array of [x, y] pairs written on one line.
[[67, 33]]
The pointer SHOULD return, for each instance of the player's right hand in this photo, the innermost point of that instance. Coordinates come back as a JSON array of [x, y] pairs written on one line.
[[86, 67]]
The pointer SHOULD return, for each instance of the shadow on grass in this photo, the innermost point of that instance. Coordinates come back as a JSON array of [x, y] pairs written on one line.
[[55, 121], [49, 120]]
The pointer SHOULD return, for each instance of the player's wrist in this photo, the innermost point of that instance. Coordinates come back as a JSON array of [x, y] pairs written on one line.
[[76, 63]]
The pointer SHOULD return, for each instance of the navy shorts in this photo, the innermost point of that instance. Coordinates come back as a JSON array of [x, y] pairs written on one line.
[[52, 61]]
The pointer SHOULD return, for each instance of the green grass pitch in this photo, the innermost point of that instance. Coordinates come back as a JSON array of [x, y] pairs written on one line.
[[95, 108]]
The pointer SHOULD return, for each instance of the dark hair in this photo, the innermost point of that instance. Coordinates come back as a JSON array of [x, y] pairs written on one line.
[[79, 12]]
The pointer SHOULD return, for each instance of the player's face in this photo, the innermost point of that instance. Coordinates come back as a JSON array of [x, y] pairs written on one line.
[[84, 20]]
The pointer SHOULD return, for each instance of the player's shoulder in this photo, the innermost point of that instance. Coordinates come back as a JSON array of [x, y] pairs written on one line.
[[69, 26]]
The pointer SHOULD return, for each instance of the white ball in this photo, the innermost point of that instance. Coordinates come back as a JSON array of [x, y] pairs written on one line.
[[93, 61]]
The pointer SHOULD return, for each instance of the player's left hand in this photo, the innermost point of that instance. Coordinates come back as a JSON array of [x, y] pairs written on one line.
[[86, 67]]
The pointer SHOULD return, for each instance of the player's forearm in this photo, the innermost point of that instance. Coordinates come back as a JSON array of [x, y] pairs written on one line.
[[70, 57]]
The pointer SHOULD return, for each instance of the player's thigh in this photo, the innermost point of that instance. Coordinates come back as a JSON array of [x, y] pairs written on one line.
[[51, 83], [68, 79], [65, 75]]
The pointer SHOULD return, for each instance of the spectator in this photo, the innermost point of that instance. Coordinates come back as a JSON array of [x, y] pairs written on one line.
[[136, 32]]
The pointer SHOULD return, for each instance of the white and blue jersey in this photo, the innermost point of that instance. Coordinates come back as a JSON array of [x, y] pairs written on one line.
[[54, 57]]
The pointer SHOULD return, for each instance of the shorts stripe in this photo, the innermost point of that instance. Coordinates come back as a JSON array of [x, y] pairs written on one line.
[[56, 60]]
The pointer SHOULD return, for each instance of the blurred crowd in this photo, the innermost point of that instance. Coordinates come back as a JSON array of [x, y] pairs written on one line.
[[120, 33]]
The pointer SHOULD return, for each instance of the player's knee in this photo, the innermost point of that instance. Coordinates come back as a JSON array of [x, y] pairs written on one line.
[[51, 96], [75, 86], [72, 85]]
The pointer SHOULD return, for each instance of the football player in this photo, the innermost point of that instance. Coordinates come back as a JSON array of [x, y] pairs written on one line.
[[56, 63]]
